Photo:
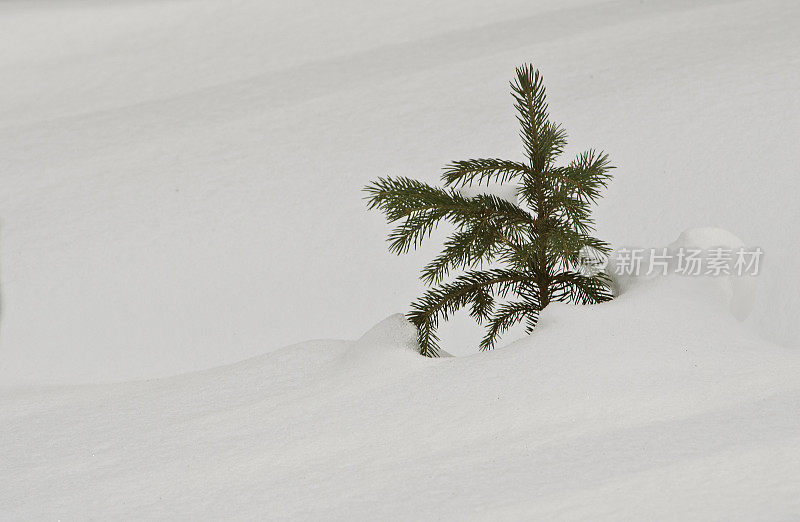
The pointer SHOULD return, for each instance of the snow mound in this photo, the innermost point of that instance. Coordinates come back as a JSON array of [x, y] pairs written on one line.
[[393, 333], [656, 403], [738, 291]]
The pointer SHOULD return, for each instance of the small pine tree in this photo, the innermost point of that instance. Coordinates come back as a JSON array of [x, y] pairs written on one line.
[[536, 246]]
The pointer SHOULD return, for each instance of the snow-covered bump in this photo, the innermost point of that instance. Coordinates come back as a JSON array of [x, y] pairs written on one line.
[[737, 290], [394, 331]]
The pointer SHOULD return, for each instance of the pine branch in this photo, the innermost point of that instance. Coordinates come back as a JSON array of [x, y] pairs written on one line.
[[422, 207], [443, 301], [462, 249], [572, 211], [551, 143], [507, 316], [531, 103], [500, 231], [399, 197], [580, 289], [586, 175], [565, 245], [462, 173]]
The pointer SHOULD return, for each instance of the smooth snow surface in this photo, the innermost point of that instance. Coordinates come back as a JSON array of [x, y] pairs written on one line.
[[658, 406], [180, 180], [180, 190]]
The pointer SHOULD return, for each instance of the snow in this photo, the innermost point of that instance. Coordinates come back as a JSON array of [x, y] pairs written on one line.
[[660, 405], [739, 292], [180, 206], [736, 291], [181, 180]]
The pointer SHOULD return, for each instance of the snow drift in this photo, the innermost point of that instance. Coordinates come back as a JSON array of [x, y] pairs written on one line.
[[656, 405]]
